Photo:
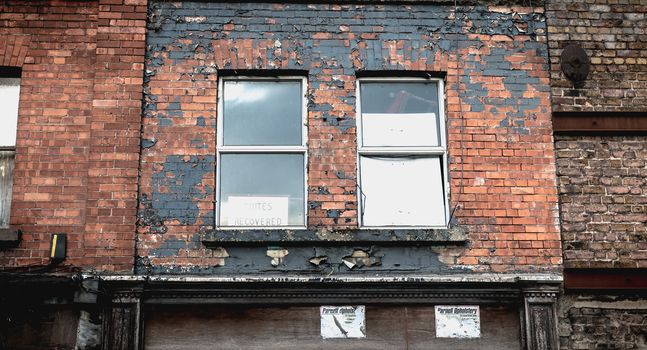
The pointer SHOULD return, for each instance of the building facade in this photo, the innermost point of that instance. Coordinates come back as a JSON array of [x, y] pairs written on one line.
[[217, 172], [600, 124]]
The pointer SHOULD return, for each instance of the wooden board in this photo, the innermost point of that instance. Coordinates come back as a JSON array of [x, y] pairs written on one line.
[[297, 328]]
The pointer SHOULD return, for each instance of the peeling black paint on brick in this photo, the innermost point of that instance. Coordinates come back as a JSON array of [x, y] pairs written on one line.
[[402, 260], [446, 26], [317, 38], [175, 191], [456, 235]]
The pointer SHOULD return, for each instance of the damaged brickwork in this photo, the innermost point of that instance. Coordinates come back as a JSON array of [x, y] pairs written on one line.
[[495, 64], [603, 197], [588, 321], [612, 33]]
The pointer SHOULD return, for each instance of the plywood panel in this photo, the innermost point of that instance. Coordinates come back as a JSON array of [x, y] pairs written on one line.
[[292, 328]]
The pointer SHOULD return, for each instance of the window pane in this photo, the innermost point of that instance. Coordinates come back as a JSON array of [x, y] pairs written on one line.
[[6, 181], [394, 97], [9, 97], [262, 190], [258, 113], [412, 129], [399, 114], [402, 191]]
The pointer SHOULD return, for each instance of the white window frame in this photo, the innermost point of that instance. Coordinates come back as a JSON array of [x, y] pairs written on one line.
[[7, 147], [440, 151], [297, 149]]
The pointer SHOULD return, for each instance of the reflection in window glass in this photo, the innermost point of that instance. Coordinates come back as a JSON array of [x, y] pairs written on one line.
[[260, 113], [396, 97], [399, 114], [262, 190]]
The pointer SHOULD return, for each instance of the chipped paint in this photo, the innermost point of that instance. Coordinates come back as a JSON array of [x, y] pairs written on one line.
[[360, 258], [277, 255], [190, 43]]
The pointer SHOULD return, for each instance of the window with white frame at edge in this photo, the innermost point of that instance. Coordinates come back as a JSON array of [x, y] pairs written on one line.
[[9, 98], [402, 153], [262, 153]]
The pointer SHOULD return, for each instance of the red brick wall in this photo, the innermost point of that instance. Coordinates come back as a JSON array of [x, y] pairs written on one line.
[[77, 147]]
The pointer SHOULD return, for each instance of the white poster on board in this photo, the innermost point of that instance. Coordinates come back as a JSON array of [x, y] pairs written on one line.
[[254, 211], [458, 321], [343, 322]]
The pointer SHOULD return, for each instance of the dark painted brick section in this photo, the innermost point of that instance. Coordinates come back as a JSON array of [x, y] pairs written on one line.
[[603, 195], [612, 34], [589, 321]]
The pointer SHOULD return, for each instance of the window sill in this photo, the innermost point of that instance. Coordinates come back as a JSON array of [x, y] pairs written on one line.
[[413, 236], [9, 237]]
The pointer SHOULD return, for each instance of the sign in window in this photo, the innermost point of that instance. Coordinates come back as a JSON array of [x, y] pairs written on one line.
[[261, 153]]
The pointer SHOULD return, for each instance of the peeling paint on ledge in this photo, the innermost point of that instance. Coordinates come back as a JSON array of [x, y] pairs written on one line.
[[456, 235], [375, 278]]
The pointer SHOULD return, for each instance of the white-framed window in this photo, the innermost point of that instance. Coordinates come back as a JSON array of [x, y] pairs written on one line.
[[402, 153], [261, 152], [9, 100]]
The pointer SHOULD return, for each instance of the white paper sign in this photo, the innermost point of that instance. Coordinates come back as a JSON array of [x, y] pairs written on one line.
[[343, 322], [254, 211], [458, 321], [402, 129]]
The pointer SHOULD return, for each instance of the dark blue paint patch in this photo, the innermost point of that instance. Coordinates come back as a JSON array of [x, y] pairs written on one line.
[[201, 121], [148, 143], [401, 260], [341, 175], [172, 246], [165, 122], [198, 144], [332, 213], [177, 190]]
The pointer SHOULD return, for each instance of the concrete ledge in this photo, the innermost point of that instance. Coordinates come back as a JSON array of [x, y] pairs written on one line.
[[549, 278], [220, 238]]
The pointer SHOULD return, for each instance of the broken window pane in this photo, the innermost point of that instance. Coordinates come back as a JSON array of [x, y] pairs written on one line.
[[7, 159], [262, 190], [262, 113], [402, 191]]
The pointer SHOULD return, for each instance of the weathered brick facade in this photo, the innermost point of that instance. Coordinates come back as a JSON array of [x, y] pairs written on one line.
[[602, 176], [78, 128], [612, 33], [590, 321], [603, 193], [493, 59], [117, 149]]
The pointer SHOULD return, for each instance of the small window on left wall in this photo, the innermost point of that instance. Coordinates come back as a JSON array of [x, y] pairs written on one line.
[[9, 98]]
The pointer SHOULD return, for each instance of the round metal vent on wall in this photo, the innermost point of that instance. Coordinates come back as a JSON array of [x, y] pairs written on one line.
[[575, 63]]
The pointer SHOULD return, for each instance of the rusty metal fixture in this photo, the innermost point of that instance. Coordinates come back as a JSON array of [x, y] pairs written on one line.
[[575, 63]]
